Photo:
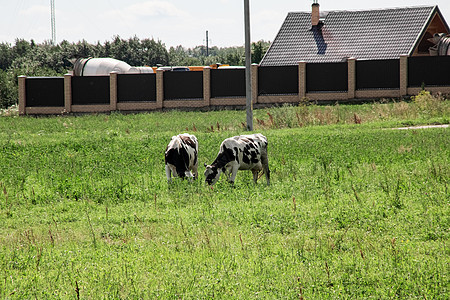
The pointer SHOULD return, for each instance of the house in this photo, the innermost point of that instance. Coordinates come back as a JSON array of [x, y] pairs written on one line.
[[377, 34]]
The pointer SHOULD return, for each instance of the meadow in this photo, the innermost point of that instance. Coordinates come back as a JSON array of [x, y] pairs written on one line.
[[356, 209]]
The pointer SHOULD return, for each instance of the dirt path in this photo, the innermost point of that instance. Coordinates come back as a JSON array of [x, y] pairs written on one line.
[[424, 127]]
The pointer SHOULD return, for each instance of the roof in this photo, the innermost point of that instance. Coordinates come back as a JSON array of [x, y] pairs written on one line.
[[363, 34]]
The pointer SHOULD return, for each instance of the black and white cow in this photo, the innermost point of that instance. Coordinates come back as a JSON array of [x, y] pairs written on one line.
[[244, 152], [181, 157]]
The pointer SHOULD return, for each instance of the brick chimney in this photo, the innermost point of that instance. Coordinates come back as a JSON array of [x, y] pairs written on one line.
[[315, 14]]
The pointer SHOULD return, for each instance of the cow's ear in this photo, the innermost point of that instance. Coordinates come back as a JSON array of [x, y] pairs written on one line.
[[205, 165]]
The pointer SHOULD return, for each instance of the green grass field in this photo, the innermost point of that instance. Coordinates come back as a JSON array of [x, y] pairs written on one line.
[[355, 210]]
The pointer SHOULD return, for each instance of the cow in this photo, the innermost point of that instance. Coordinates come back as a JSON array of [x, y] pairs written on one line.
[[181, 157], [244, 152]]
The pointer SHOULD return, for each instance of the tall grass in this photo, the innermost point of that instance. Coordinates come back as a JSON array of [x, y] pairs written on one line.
[[353, 210], [423, 107]]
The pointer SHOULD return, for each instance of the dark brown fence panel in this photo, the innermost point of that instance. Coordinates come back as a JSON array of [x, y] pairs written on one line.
[[183, 85], [327, 77], [378, 74], [227, 83], [430, 71], [90, 90], [136, 87], [278, 80], [44, 91]]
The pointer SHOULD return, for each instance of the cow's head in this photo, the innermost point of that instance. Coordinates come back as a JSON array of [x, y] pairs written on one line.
[[212, 174]]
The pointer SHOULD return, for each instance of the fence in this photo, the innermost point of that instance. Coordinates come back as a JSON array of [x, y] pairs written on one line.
[[352, 81], [328, 77]]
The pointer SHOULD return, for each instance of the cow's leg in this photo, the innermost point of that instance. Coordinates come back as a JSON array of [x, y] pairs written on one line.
[[188, 174], [234, 170], [195, 171], [168, 174], [265, 164], [227, 172], [255, 175]]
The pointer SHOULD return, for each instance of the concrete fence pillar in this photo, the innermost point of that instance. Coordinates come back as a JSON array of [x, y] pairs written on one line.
[[254, 73], [207, 86], [159, 88], [403, 75], [301, 80], [22, 95], [351, 64], [68, 93], [113, 90]]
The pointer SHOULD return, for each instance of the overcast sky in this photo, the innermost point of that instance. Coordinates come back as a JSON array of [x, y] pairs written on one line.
[[174, 22]]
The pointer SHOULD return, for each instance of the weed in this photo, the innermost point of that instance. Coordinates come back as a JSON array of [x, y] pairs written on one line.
[[356, 119], [94, 240], [12, 111], [424, 105]]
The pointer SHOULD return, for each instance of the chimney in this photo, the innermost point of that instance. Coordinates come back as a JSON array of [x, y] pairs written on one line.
[[315, 14]]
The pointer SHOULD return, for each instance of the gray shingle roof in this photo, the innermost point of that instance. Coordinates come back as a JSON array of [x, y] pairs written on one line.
[[365, 34]]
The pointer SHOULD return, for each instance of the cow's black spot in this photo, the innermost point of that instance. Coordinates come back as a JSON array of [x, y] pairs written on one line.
[[224, 157], [187, 140], [195, 157], [254, 158], [246, 159], [236, 154], [178, 158], [247, 150]]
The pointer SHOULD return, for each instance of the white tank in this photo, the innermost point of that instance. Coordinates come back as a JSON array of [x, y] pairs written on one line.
[[104, 66], [140, 70], [442, 45]]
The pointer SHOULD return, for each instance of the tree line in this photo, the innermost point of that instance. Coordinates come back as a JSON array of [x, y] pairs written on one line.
[[31, 59]]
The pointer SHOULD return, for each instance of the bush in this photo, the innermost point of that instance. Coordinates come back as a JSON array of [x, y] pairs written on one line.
[[428, 104], [8, 89]]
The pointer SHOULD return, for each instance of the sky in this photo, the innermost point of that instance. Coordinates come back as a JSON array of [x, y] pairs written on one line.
[[173, 22]]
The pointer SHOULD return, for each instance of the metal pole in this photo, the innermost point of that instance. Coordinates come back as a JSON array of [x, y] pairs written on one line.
[[52, 9], [248, 62], [207, 51]]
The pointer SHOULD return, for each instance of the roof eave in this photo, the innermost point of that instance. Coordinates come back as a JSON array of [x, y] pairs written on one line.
[[443, 19]]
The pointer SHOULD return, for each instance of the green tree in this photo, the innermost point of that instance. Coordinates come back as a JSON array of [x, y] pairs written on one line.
[[6, 56], [179, 56], [8, 90], [259, 49], [153, 53]]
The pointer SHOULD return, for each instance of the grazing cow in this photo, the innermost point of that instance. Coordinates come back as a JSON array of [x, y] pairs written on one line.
[[244, 152], [181, 157]]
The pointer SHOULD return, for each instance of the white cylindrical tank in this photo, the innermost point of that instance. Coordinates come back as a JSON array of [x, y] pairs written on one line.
[[140, 70], [442, 45], [99, 66]]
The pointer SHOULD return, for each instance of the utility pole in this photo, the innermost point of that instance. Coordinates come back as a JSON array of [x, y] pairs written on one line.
[[52, 8], [248, 62], [207, 47]]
